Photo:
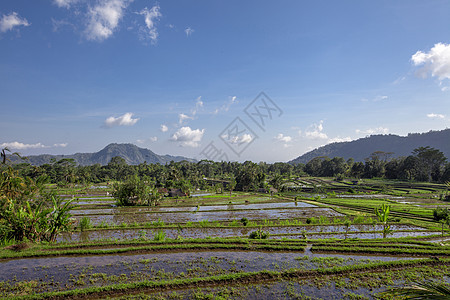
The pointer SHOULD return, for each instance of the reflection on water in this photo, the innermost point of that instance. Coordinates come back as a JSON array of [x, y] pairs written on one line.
[[118, 218], [295, 232], [200, 208]]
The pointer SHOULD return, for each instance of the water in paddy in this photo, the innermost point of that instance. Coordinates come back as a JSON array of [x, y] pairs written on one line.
[[62, 273], [331, 231], [195, 208], [330, 288], [180, 217]]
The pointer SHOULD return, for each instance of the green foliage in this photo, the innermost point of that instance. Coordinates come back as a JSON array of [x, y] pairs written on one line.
[[160, 235], [382, 213], [244, 221], [134, 191], [441, 214], [259, 234], [85, 223], [35, 222]]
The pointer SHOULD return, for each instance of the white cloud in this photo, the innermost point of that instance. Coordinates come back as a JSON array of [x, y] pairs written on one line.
[[198, 105], [8, 22], [375, 99], [63, 145], [104, 18], [64, 3], [435, 116], [238, 139], [226, 106], [283, 138], [124, 120], [189, 31], [151, 16], [370, 131], [22, 146], [164, 128], [183, 117], [153, 139], [339, 139], [188, 137], [436, 61], [315, 131]]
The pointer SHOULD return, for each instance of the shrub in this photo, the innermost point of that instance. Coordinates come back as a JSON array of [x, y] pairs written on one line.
[[85, 223], [244, 221], [441, 214], [259, 234], [133, 191]]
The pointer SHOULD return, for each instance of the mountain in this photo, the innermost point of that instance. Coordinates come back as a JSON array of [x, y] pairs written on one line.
[[132, 154], [360, 149]]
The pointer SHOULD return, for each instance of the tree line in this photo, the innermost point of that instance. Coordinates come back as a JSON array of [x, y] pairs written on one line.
[[424, 164]]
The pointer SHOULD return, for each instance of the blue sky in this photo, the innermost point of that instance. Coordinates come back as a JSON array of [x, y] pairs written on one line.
[[173, 76]]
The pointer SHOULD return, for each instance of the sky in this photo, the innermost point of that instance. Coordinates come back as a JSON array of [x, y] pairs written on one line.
[[221, 80]]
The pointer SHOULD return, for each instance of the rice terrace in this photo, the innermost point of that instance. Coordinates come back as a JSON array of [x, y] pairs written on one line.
[[224, 149], [211, 230]]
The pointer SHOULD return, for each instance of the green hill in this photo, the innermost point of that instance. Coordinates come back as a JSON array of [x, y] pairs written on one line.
[[360, 149]]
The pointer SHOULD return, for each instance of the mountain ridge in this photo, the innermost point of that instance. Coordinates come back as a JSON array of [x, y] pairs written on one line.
[[132, 154], [361, 149]]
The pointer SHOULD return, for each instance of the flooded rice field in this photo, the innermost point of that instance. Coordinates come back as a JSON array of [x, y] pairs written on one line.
[[117, 216], [198, 208], [295, 232], [333, 288], [63, 273]]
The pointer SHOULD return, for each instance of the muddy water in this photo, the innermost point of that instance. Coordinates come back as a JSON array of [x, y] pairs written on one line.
[[212, 216], [76, 272], [190, 232]]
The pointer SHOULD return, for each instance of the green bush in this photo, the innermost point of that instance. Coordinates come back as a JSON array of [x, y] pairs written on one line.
[[134, 191], [259, 235], [85, 223], [441, 214]]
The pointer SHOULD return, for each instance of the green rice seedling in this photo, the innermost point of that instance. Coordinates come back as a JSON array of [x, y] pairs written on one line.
[[323, 220], [160, 236], [337, 220], [85, 223], [123, 225], [359, 220], [204, 223], [135, 224], [142, 234], [159, 223], [103, 224], [234, 223]]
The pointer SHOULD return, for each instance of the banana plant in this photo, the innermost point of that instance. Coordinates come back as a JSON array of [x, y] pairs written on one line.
[[382, 213]]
